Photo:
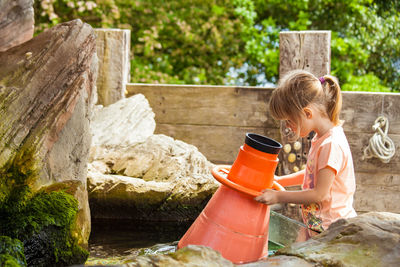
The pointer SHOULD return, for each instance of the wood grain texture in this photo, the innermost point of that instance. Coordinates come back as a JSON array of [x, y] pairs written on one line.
[[220, 144], [177, 108], [113, 48], [207, 105], [306, 50], [377, 192]]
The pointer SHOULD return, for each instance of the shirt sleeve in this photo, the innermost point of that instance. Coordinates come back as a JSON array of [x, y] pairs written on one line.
[[330, 154]]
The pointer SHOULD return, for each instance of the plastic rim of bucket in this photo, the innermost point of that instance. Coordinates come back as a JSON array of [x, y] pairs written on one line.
[[220, 173], [262, 143], [256, 162]]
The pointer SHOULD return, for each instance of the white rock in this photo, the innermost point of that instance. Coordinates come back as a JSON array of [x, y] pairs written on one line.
[[135, 174], [124, 123]]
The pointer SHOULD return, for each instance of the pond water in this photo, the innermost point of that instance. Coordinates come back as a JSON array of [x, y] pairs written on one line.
[[113, 242]]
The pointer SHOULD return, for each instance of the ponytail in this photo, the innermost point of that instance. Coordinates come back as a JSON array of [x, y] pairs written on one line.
[[298, 89], [333, 98]]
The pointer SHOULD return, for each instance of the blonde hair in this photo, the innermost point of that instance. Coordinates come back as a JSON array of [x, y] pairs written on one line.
[[299, 89]]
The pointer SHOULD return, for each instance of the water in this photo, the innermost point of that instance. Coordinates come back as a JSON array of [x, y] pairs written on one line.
[[113, 242]]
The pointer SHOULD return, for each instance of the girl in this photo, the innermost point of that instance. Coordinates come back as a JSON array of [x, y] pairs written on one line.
[[308, 104]]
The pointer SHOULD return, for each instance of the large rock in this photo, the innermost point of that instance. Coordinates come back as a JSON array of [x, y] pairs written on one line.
[[46, 94], [159, 179], [138, 175], [16, 22], [123, 124], [190, 256], [166, 255], [370, 239]]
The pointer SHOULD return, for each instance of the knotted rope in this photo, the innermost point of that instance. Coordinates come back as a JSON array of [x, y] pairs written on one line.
[[380, 145]]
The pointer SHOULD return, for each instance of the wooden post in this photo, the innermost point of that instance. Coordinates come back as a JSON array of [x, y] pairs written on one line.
[[113, 47], [307, 50]]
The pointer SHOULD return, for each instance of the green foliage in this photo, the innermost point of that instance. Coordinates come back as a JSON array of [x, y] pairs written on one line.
[[362, 35], [237, 42], [43, 221], [184, 41], [100, 13], [368, 82], [192, 41], [11, 252]]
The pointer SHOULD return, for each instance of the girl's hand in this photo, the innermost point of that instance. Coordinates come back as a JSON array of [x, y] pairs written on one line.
[[268, 197]]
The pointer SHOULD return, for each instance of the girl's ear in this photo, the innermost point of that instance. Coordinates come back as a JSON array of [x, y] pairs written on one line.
[[308, 113]]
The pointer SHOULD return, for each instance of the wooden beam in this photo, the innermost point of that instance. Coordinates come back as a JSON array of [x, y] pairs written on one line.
[[113, 48], [306, 50], [220, 144], [207, 105]]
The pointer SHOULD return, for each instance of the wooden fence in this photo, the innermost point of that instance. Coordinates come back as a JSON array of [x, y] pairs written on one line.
[[216, 118]]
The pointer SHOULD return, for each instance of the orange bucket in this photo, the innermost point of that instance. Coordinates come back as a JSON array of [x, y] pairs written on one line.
[[256, 162], [233, 223]]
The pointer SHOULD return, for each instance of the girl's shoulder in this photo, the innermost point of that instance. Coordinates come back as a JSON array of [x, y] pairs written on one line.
[[334, 134], [337, 138]]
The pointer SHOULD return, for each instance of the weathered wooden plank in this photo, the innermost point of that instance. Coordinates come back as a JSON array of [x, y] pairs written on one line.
[[376, 198], [220, 144], [377, 191], [248, 106], [360, 110], [178, 107], [359, 141], [385, 179], [207, 105], [307, 50], [113, 47]]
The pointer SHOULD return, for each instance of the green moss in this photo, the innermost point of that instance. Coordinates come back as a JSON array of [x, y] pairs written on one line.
[[274, 246], [9, 261], [11, 252], [13, 187], [354, 255], [336, 253], [44, 221]]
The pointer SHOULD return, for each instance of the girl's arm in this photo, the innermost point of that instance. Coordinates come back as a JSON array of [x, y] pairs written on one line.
[[291, 179], [317, 194]]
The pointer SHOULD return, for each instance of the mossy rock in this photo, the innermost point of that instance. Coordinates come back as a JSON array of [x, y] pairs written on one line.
[[11, 252], [370, 239], [45, 223], [191, 255]]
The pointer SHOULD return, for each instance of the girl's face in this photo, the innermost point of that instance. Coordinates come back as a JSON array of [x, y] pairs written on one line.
[[304, 126]]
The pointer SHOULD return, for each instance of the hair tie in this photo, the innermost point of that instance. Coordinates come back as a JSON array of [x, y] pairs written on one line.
[[322, 80]]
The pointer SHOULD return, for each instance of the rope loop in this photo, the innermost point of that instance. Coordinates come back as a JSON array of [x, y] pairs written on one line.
[[380, 145]]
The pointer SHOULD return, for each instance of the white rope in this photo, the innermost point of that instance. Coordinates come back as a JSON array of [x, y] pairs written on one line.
[[380, 145]]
